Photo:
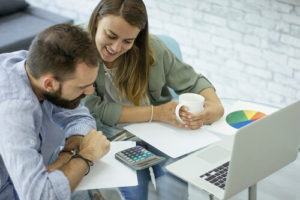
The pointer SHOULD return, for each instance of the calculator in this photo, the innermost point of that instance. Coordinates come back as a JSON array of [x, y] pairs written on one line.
[[138, 158]]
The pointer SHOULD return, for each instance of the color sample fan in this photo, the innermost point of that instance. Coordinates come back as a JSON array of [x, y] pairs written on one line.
[[241, 118]]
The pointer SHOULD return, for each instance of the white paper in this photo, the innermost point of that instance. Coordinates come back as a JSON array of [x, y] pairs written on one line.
[[170, 140], [109, 172], [222, 127]]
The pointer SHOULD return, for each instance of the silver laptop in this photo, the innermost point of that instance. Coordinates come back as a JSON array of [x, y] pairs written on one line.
[[255, 152]]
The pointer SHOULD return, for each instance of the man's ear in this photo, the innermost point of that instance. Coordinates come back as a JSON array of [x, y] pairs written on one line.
[[49, 83]]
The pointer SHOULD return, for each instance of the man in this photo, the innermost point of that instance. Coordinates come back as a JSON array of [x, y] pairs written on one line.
[[39, 87]]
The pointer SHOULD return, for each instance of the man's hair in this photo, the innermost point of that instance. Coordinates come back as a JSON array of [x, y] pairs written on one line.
[[58, 49]]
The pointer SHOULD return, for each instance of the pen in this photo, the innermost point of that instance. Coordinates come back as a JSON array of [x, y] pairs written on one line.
[[152, 177]]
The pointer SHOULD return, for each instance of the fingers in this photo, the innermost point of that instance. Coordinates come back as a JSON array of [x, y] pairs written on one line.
[[173, 121], [167, 114], [104, 142], [94, 145], [106, 145], [177, 124], [73, 142], [194, 125], [192, 121], [189, 117]]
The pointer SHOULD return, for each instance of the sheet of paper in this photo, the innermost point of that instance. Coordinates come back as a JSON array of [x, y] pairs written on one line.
[[222, 127], [170, 140], [109, 172]]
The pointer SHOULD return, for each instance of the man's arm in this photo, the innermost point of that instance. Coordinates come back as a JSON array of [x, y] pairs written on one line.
[[77, 121], [19, 148], [72, 142], [91, 147]]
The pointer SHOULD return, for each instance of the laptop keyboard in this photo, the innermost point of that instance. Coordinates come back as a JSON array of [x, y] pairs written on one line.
[[217, 176]]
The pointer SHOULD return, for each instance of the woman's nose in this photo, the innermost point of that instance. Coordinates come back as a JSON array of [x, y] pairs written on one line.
[[116, 46]]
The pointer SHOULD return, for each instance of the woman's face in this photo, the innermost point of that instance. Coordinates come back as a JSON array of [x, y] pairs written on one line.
[[114, 37]]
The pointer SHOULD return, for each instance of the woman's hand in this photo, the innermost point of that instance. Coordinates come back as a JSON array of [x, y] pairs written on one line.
[[166, 113], [212, 111]]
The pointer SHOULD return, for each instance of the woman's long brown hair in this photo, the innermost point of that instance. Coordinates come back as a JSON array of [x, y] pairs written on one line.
[[132, 68]]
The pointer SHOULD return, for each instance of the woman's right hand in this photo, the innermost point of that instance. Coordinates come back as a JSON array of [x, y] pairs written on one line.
[[166, 113]]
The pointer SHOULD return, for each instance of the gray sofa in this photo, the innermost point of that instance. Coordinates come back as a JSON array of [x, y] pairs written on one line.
[[20, 22]]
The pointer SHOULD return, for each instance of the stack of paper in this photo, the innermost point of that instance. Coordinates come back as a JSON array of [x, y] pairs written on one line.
[[170, 140]]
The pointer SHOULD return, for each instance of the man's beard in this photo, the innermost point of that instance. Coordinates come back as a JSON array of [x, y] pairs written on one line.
[[56, 99]]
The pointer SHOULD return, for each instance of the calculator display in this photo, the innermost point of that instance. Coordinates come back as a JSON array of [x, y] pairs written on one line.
[[138, 158]]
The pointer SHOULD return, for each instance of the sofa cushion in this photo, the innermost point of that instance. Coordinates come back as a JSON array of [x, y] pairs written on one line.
[[12, 6], [18, 30]]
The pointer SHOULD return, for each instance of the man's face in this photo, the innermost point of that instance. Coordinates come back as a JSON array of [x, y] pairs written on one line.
[[71, 91], [57, 99]]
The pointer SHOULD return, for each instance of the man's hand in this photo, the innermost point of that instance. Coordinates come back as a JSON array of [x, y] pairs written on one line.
[[94, 145], [73, 142]]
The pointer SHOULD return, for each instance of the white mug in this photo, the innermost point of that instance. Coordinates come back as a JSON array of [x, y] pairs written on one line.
[[194, 103]]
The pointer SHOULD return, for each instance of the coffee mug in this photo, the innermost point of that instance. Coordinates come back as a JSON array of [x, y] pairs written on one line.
[[194, 103]]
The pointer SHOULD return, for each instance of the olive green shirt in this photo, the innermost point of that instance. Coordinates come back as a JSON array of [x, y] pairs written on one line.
[[167, 71]]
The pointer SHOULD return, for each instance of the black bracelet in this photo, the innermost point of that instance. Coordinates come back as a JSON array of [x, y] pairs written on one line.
[[87, 161]]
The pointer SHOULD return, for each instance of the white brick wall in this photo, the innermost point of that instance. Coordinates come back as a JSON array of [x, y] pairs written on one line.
[[249, 49]]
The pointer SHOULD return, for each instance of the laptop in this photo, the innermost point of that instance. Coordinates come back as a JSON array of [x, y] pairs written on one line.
[[240, 161]]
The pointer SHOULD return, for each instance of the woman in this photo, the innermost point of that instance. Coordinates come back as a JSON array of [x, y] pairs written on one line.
[[137, 69]]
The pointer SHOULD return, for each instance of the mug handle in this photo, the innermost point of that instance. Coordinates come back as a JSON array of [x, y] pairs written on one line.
[[177, 112]]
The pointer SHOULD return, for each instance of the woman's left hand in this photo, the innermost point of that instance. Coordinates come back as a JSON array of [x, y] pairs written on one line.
[[212, 111]]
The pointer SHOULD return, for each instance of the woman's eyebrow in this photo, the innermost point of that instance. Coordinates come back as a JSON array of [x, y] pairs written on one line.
[[113, 33]]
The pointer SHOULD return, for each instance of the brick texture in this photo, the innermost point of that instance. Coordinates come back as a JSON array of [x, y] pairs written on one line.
[[249, 49]]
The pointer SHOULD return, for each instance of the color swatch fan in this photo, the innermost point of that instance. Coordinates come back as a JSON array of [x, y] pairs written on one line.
[[241, 118]]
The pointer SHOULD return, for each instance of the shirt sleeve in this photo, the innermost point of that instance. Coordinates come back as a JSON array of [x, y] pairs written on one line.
[[178, 75], [103, 111], [72, 121], [19, 148]]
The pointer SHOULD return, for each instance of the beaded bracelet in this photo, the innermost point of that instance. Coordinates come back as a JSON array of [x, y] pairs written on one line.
[[151, 118]]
